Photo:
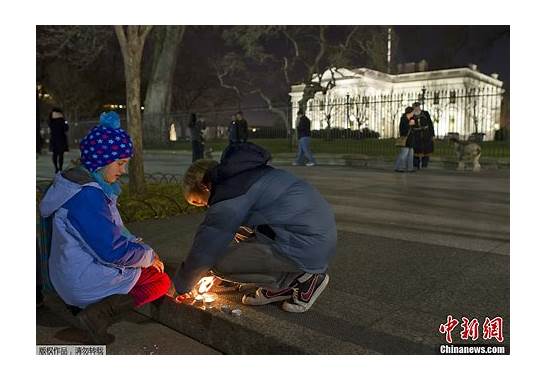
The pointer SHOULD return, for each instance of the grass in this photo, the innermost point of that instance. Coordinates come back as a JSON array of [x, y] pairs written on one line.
[[158, 202], [370, 147]]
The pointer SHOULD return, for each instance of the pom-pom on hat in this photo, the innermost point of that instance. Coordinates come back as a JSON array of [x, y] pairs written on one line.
[[105, 143]]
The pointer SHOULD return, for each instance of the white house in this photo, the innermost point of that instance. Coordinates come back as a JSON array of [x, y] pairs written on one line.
[[461, 100]]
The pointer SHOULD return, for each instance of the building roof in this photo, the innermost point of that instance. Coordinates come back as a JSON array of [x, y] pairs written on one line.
[[343, 74]]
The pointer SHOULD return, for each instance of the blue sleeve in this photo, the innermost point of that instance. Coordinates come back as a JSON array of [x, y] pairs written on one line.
[[88, 212], [211, 240]]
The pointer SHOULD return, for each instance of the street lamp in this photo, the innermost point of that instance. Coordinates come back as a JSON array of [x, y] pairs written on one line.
[[347, 107]]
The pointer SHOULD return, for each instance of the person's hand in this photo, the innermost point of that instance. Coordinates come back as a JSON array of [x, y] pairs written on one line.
[[158, 264], [240, 237], [243, 234], [412, 122]]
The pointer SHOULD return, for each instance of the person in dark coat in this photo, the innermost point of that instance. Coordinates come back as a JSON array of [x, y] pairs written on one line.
[[304, 141], [58, 141], [197, 141], [263, 226], [39, 140], [239, 129], [424, 134], [404, 161]]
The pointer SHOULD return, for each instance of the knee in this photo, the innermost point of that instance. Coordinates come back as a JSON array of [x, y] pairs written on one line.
[[164, 283]]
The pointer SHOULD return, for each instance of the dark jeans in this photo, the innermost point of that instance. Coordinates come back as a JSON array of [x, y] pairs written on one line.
[[197, 148], [420, 162], [58, 158], [256, 262]]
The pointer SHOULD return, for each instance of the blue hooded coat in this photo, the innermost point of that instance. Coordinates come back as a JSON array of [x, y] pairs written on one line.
[[92, 254], [247, 191]]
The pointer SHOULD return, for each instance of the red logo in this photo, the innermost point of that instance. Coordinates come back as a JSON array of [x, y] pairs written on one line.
[[470, 329], [492, 328], [448, 327]]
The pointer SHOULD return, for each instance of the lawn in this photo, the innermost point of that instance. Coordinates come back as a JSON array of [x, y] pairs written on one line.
[[370, 147]]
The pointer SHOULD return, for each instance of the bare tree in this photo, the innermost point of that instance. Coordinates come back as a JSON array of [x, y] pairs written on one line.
[[131, 40], [73, 68], [269, 59]]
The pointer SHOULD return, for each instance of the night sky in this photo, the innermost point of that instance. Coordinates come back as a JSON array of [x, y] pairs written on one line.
[[445, 47], [457, 46]]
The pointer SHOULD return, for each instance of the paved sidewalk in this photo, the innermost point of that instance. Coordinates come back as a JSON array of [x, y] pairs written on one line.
[[412, 249], [135, 334]]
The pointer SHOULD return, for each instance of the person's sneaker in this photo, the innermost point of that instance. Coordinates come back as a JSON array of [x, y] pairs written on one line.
[[310, 164], [264, 296], [295, 164], [309, 288]]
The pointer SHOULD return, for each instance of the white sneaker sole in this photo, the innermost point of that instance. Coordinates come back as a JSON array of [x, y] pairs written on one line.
[[297, 308]]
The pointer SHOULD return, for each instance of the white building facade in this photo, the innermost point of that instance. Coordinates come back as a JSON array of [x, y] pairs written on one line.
[[461, 100]]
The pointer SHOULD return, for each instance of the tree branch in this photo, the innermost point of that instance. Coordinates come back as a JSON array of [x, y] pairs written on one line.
[[122, 39], [320, 54], [221, 76], [348, 39], [144, 30], [294, 43], [285, 69]]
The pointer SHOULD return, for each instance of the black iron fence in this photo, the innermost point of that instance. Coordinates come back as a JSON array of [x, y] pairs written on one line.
[[358, 124]]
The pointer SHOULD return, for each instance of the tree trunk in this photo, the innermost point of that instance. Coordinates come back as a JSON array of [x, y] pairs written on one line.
[[158, 93], [134, 123], [132, 45]]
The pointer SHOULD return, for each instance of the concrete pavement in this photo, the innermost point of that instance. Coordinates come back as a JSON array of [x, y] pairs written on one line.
[[412, 249]]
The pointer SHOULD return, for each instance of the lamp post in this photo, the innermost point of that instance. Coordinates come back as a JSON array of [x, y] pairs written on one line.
[[347, 109], [423, 92]]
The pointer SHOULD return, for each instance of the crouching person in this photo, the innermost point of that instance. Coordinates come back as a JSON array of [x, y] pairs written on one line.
[[263, 226], [96, 264]]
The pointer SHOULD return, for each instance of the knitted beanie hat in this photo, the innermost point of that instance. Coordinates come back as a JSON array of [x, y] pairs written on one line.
[[105, 143]]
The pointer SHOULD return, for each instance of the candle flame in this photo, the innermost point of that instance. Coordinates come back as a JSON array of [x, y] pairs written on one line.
[[205, 284]]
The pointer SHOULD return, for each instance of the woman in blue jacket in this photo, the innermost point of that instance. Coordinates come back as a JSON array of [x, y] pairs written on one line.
[[96, 264], [292, 229]]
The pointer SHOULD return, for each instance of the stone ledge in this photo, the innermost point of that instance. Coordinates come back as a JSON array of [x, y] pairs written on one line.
[[253, 332]]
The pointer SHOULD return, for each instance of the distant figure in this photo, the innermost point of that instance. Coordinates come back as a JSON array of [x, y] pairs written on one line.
[[202, 125], [404, 161], [238, 129], [172, 133], [197, 142], [231, 128], [304, 141], [39, 140], [58, 142], [423, 139]]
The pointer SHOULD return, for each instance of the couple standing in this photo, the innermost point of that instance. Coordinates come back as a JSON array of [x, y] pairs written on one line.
[[416, 139]]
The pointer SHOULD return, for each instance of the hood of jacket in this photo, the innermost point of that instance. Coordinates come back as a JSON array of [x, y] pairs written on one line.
[[65, 185], [241, 165]]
